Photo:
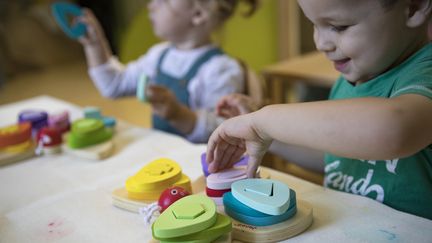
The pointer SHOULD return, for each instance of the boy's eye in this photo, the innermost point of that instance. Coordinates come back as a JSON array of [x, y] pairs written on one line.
[[339, 28]]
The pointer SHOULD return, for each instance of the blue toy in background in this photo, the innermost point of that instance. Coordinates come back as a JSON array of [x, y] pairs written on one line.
[[62, 11]]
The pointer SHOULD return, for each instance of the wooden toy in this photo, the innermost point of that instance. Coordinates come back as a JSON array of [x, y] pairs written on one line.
[[267, 196], [251, 216], [37, 118], [95, 113], [142, 84], [146, 186], [89, 139], [243, 161], [92, 112], [191, 219], [49, 141], [167, 197], [86, 132], [16, 143], [60, 121], [223, 180], [276, 232], [62, 12]]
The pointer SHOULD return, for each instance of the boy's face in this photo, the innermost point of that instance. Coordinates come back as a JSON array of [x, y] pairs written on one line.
[[171, 19], [361, 37]]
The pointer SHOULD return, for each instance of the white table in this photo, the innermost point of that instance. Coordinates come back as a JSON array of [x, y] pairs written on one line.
[[60, 198]]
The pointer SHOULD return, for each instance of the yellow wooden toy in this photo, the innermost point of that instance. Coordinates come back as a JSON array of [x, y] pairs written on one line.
[[16, 143], [146, 185]]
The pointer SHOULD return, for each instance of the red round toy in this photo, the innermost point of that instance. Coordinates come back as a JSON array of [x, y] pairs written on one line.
[[170, 195]]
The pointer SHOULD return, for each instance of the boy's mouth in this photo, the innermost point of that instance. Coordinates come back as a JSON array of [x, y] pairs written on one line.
[[341, 64]]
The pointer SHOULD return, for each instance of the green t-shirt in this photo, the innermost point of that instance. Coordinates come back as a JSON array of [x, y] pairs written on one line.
[[402, 183]]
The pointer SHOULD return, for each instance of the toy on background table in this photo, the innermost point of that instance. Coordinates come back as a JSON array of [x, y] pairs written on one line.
[[192, 219], [147, 185], [59, 121], [16, 143], [90, 139], [265, 210], [49, 140], [37, 118], [63, 13], [95, 113]]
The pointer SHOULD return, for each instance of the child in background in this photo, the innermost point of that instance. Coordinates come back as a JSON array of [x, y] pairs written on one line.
[[376, 128], [188, 73]]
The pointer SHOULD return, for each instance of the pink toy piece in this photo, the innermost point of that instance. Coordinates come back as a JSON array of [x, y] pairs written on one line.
[[170, 195], [223, 180], [60, 121]]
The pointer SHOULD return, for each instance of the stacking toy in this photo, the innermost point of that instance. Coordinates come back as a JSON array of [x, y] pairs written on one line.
[[167, 197], [219, 183], [268, 209], [49, 140], [62, 13], [16, 143], [95, 113], [37, 118], [191, 219], [90, 139], [243, 161], [146, 186], [59, 121]]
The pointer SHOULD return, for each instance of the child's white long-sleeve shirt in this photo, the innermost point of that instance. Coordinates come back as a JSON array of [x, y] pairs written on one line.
[[219, 76]]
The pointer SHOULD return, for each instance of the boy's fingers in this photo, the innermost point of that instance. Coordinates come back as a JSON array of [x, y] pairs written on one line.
[[252, 167]]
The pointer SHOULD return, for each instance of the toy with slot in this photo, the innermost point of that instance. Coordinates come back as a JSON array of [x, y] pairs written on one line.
[[90, 139], [95, 113], [268, 208], [167, 197], [146, 186], [191, 219], [63, 12], [16, 143], [219, 183]]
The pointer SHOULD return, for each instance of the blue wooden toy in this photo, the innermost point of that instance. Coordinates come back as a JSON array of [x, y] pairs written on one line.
[[248, 215], [62, 12], [267, 196]]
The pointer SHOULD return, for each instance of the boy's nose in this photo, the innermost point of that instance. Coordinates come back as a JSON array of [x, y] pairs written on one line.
[[324, 41]]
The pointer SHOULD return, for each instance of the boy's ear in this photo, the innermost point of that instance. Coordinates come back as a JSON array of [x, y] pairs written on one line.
[[419, 12]]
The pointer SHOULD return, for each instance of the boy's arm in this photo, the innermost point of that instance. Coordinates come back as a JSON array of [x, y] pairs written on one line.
[[363, 128]]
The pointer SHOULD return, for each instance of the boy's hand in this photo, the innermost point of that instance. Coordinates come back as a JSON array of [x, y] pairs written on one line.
[[163, 101], [232, 139], [234, 105]]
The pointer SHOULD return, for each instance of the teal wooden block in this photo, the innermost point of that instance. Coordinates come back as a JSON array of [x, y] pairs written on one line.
[[92, 112], [264, 195], [245, 214]]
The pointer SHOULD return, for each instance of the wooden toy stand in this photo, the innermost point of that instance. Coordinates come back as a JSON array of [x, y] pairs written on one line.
[[95, 152], [12, 157], [121, 200], [277, 232]]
